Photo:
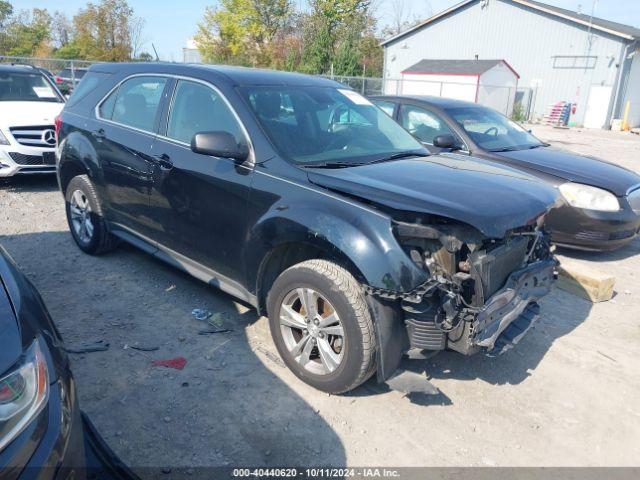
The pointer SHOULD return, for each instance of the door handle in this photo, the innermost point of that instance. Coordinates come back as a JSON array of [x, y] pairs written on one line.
[[99, 134], [164, 161]]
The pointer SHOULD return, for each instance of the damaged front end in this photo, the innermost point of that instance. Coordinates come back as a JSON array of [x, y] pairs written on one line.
[[481, 294]]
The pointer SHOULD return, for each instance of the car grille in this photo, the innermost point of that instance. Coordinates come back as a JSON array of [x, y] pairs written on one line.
[[634, 200], [47, 158], [35, 136]]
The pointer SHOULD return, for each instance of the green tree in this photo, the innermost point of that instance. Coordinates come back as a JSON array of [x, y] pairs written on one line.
[[103, 31], [330, 25], [28, 34], [244, 32]]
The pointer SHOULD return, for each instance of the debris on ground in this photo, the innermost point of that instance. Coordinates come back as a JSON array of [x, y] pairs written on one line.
[[216, 320], [177, 363], [169, 288], [88, 347], [142, 348], [271, 356], [214, 331], [201, 314]]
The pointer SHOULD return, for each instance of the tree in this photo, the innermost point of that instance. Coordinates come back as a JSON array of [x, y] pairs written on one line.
[[331, 24], [145, 57], [103, 31], [243, 32], [61, 29], [6, 10], [28, 34]]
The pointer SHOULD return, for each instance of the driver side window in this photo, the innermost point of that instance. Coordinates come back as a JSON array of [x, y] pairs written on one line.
[[198, 108], [423, 124]]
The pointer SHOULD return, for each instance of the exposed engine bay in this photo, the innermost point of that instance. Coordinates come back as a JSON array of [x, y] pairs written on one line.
[[481, 294]]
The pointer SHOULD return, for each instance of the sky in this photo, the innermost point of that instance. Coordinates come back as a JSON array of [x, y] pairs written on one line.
[[169, 23]]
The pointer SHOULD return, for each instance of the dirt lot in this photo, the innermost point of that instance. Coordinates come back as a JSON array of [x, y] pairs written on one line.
[[568, 395]]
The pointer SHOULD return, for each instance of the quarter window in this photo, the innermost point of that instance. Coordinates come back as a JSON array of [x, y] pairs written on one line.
[[386, 106], [198, 108], [423, 124], [135, 103]]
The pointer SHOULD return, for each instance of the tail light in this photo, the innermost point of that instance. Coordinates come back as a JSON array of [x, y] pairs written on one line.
[[58, 80], [58, 123]]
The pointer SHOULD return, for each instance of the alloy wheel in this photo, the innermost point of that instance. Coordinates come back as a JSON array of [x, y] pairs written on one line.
[[312, 331], [80, 211]]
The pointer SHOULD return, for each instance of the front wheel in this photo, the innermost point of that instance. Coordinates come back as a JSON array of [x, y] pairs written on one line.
[[321, 326]]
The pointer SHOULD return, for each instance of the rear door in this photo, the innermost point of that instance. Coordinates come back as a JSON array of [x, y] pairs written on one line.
[[127, 124], [199, 202]]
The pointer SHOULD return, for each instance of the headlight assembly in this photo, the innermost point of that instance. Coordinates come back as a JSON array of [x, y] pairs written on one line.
[[23, 394], [589, 198], [3, 139]]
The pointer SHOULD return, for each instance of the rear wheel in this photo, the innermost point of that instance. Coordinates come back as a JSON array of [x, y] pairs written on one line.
[[321, 326], [85, 219]]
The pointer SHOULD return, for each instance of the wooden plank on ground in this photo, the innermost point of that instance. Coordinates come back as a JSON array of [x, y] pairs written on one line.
[[585, 281]]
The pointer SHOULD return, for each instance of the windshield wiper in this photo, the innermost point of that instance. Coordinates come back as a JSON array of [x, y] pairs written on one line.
[[395, 156], [505, 149], [332, 165], [399, 155]]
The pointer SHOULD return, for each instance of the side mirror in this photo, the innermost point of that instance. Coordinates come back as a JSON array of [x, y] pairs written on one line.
[[444, 141], [219, 144]]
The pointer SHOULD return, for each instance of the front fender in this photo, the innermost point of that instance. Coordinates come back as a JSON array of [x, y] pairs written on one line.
[[365, 238]]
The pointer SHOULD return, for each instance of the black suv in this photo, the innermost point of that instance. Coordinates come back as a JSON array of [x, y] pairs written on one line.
[[300, 197]]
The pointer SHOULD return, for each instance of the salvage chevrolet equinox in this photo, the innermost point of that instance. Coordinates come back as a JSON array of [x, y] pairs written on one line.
[[297, 195]]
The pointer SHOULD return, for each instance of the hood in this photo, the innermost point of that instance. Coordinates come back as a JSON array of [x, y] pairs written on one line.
[[491, 198], [575, 168], [24, 114]]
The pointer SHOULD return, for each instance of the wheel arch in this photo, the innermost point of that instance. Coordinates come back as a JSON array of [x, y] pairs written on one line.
[[360, 245], [77, 157], [287, 254]]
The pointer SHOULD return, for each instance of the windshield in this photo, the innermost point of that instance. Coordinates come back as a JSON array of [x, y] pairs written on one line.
[[26, 87], [492, 131], [316, 125]]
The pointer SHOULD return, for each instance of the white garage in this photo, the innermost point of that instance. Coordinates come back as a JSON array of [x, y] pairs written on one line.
[[489, 82]]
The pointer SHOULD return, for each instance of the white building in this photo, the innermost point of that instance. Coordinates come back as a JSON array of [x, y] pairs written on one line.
[[489, 82], [560, 55], [190, 53]]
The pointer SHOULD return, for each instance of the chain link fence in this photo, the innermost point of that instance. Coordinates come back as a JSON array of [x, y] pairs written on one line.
[[515, 102]]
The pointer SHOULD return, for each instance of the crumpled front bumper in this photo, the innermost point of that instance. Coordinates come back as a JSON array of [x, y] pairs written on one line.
[[511, 311]]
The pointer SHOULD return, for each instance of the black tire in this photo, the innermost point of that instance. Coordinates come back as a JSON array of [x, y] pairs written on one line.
[[100, 241], [345, 294]]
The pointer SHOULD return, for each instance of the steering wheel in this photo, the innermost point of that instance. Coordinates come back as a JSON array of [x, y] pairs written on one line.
[[486, 132]]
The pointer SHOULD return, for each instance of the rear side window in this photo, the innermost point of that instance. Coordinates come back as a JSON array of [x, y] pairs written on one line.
[[88, 84], [386, 106], [198, 108], [135, 103]]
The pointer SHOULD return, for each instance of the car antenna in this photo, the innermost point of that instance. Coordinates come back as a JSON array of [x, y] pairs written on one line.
[[155, 51]]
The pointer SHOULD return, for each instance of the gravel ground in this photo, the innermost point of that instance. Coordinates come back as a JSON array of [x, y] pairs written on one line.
[[569, 395]]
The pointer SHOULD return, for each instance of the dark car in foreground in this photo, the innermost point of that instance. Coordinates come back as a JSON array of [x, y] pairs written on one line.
[[300, 197], [602, 200], [42, 431]]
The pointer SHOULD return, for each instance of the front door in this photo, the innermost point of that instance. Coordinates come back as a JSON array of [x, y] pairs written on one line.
[[198, 203], [597, 106], [424, 125], [124, 135]]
